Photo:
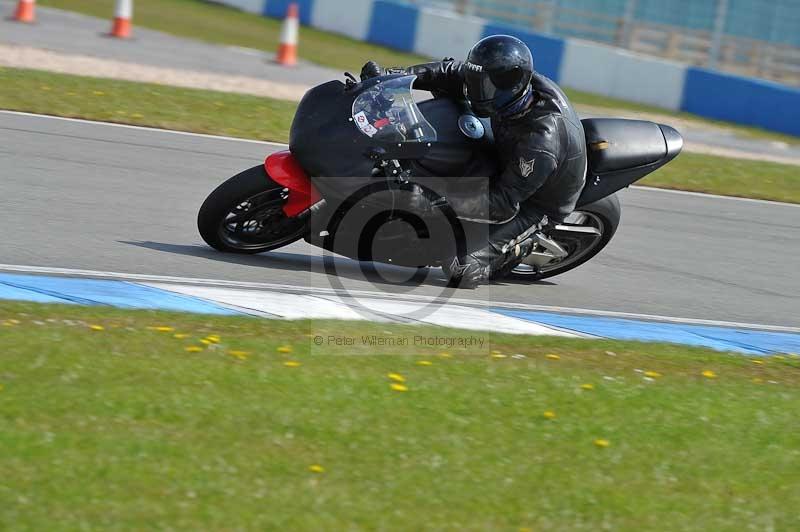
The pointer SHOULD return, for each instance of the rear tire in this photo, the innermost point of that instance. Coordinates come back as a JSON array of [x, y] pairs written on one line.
[[245, 215], [608, 212]]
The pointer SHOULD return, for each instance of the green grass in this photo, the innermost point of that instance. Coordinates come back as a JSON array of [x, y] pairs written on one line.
[[729, 177], [146, 104], [122, 428], [219, 24], [267, 119], [197, 19]]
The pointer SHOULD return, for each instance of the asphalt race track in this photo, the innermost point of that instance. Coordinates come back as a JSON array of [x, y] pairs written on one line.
[[99, 197]]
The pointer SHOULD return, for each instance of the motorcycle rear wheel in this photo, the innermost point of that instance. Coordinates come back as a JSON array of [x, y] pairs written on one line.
[[245, 215], [603, 215]]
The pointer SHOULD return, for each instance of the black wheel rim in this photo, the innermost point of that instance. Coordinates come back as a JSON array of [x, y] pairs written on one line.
[[577, 248], [259, 222]]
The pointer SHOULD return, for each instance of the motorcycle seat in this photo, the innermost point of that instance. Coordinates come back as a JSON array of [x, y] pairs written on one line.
[[614, 144]]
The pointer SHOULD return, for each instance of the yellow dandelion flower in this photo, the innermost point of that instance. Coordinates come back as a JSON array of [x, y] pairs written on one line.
[[757, 362], [396, 377], [206, 341], [285, 349], [180, 336], [603, 443], [424, 363], [97, 327], [292, 364], [553, 357], [137, 115], [709, 374], [98, 93], [445, 355], [316, 468], [162, 328], [587, 386], [241, 355], [214, 339], [549, 414], [72, 94], [193, 349], [652, 374], [496, 354], [399, 387]]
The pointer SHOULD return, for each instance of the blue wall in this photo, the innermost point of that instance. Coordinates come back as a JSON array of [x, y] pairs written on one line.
[[393, 25], [742, 100]]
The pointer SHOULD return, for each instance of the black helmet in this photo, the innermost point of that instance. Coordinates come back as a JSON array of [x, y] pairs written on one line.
[[497, 73]]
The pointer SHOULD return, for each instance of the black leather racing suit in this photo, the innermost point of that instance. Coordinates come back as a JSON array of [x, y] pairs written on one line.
[[542, 148]]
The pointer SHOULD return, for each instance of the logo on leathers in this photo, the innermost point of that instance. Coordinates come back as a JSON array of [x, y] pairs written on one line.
[[526, 167]]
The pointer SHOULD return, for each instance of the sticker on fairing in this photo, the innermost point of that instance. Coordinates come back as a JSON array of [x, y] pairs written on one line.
[[363, 124]]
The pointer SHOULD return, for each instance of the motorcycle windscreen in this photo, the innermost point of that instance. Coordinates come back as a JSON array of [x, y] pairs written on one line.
[[387, 113]]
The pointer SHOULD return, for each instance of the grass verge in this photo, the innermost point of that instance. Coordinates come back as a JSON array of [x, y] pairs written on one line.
[[146, 104], [219, 24], [215, 23], [729, 177], [109, 422], [267, 119]]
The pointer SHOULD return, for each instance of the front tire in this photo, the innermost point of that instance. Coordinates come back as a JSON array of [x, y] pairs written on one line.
[[245, 215], [604, 215]]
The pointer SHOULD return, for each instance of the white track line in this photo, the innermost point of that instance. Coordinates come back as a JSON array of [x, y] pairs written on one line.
[[309, 290], [286, 146]]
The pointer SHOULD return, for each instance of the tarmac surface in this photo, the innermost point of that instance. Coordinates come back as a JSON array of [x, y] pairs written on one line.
[[95, 196]]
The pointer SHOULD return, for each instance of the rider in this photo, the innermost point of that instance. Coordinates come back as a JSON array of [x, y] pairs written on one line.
[[540, 141]]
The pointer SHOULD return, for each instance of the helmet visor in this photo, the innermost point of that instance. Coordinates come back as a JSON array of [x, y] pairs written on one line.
[[492, 91]]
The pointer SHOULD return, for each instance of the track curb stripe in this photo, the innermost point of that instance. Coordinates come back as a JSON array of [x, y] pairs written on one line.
[[287, 302]]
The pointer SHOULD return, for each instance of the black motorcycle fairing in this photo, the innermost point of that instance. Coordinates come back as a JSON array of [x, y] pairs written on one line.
[[623, 151], [453, 154], [329, 146], [323, 140], [614, 144]]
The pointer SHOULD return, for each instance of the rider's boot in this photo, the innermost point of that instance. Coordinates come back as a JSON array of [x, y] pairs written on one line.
[[508, 244]]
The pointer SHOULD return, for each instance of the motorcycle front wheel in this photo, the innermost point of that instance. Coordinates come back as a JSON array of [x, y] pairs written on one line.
[[245, 215]]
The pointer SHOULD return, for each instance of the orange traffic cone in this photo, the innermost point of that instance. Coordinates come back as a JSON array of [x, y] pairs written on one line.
[[26, 11], [123, 13], [287, 52]]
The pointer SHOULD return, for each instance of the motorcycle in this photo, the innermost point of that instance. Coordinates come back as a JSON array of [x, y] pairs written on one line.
[[356, 147]]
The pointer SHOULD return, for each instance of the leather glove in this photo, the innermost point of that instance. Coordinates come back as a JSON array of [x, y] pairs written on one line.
[[370, 70]]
